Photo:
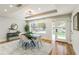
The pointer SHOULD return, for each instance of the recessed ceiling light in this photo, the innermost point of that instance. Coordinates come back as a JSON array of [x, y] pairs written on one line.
[[11, 6], [5, 10]]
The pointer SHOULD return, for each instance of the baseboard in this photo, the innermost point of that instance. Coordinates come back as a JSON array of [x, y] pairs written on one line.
[[46, 40], [7, 41], [62, 41]]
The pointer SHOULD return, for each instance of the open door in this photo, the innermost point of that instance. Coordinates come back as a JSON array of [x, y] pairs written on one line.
[[59, 30]]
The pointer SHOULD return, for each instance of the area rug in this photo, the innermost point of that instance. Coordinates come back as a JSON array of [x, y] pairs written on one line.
[[12, 48]]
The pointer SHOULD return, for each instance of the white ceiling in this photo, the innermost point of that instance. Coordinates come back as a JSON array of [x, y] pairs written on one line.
[[37, 8], [9, 9]]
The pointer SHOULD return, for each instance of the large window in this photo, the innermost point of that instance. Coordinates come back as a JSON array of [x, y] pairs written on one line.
[[38, 26]]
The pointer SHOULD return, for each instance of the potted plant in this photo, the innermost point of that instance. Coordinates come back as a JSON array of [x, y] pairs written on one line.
[[27, 30]]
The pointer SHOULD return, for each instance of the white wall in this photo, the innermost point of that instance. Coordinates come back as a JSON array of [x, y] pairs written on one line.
[[5, 22], [75, 34]]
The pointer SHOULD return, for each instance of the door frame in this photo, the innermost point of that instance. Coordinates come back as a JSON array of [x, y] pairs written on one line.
[[55, 35]]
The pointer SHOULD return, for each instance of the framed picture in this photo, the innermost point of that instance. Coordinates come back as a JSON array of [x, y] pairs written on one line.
[[38, 26], [76, 22]]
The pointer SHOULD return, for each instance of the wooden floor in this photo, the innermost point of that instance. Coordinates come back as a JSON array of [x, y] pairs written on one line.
[[61, 48]]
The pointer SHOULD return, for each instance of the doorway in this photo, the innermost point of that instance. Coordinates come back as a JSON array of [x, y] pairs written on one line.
[[59, 30]]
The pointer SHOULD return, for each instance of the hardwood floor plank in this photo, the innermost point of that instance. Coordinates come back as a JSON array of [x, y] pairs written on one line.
[[62, 49]]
